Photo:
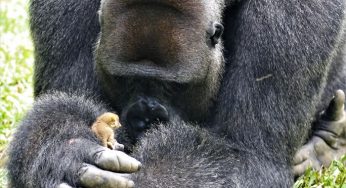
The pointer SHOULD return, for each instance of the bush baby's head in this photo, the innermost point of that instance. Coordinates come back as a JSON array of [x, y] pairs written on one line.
[[111, 119]]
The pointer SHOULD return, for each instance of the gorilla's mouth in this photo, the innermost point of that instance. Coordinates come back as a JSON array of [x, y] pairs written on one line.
[[159, 4], [124, 7], [150, 69]]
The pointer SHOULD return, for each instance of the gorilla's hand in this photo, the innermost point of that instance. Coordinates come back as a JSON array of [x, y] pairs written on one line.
[[328, 141], [109, 168], [54, 144]]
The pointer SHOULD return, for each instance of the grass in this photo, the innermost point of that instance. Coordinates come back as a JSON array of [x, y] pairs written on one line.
[[331, 177], [16, 62]]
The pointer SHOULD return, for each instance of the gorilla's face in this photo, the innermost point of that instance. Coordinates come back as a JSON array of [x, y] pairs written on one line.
[[162, 52], [170, 40]]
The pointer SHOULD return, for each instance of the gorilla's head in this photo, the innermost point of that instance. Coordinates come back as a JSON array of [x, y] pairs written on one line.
[[168, 40], [167, 50]]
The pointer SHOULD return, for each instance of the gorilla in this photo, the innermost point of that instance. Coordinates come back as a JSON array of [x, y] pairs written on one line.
[[197, 110]]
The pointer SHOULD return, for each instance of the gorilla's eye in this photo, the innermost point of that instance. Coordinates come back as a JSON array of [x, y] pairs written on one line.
[[214, 33]]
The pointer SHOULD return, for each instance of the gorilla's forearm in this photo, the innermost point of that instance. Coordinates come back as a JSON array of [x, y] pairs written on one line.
[[277, 72], [183, 155], [43, 147]]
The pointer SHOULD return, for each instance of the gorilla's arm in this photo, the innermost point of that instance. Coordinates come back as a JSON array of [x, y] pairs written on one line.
[[54, 144], [278, 54], [64, 34]]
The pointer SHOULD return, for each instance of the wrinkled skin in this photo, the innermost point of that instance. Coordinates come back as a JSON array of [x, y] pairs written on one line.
[[328, 140]]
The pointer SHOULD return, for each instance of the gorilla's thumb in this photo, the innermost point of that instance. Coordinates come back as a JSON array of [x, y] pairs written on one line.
[[335, 109]]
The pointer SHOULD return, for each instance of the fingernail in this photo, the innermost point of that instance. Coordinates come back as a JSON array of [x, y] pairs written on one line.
[[130, 184], [139, 166]]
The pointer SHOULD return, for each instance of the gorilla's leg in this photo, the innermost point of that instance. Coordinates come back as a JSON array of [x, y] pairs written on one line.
[[328, 140], [183, 155]]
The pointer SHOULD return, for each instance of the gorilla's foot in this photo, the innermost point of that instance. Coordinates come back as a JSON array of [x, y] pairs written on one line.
[[142, 114], [328, 140]]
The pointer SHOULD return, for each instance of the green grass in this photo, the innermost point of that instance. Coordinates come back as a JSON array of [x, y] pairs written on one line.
[[331, 177], [3, 178], [16, 62], [334, 176]]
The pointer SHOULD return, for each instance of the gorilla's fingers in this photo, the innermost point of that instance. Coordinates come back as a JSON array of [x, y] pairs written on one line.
[[301, 156], [91, 176], [116, 161], [64, 185], [299, 169], [119, 147], [335, 110], [304, 159]]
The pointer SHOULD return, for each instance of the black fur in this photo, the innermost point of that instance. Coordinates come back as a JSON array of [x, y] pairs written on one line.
[[183, 155], [64, 34], [279, 57]]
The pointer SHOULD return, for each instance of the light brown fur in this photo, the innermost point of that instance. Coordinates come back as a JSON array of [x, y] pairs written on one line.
[[104, 128]]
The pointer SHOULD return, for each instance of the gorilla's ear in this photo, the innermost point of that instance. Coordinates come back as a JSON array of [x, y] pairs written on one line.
[[214, 33]]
